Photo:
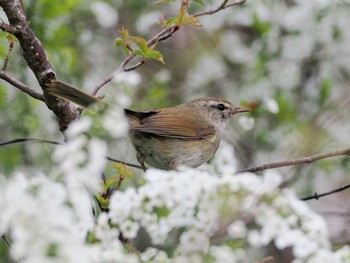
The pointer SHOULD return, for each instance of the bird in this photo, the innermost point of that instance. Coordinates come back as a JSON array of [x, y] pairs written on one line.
[[187, 134]]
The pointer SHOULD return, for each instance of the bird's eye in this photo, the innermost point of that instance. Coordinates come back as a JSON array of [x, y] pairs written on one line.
[[220, 107]]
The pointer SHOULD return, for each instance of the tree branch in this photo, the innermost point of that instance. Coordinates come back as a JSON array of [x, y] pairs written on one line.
[[298, 161], [21, 86], [3, 236], [223, 6], [36, 59], [7, 28], [317, 196], [161, 36], [22, 140]]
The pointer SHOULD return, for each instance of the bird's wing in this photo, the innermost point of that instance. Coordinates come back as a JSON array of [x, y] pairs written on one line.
[[168, 124]]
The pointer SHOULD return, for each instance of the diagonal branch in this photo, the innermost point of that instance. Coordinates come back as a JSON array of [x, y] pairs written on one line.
[[21, 86], [7, 28], [22, 140], [298, 161], [34, 55], [317, 196], [223, 6], [162, 35]]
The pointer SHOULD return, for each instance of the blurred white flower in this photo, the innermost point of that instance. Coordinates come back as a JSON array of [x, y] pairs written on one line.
[[271, 105], [115, 122], [131, 78], [149, 254], [237, 229], [223, 161], [78, 127], [247, 123], [146, 21], [163, 76], [129, 229], [193, 241], [208, 68], [105, 14], [224, 254]]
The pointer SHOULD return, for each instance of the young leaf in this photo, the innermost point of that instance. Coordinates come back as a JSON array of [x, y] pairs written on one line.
[[155, 55], [140, 42], [191, 21], [138, 52], [109, 183], [122, 169], [124, 33], [119, 42], [181, 15], [162, 2], [199, 2], [170, 21], [103, 202], [126, 50], [11, 38]]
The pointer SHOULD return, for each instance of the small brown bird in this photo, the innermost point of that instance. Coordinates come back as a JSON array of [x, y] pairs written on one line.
[[187, 134]]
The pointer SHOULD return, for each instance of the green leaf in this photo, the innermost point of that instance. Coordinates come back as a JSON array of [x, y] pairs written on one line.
[[191, 21], [260, 26], [325, 90], [52, 250], [162, 2], [91, 238], [181, 15], [124, 33], [138, 52], [185, 20], [126, 50], [154, 54], [11, 38], [199, 2], [140, 42], [122, 169], [119, 42], [170, 21], [161, 211], [103, 202], [109, 183]]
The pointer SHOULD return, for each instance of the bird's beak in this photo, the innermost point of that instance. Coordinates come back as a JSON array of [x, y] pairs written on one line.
[[240, 109]]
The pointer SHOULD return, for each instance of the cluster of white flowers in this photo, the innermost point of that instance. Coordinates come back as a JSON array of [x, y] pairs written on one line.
[[190, 211], [47, 217], [180, 216], [190, 215]]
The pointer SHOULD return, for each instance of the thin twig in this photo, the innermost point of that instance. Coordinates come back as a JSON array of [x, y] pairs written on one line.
[[19, 140], [120, 69], [166, 32], [303, 160], [138, 64], [21, 86], [162, 35], [9, 50], [126, 163], [223, 5], [121, 178], [317, 196], [265, 260], [3, 236], [7, 28]]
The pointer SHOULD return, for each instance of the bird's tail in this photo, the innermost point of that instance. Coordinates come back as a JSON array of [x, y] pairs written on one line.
[[67, 92]]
